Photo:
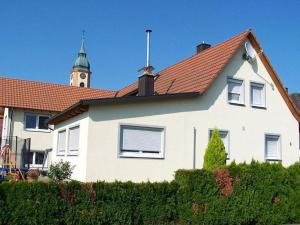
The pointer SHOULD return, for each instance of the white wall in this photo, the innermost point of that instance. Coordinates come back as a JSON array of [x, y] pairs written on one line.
[[247, 127], [40, 140], [79, 161]]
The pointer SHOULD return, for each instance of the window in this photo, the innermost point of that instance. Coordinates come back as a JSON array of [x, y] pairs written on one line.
[[61, 142], [235, 91], [137, 141], [224, 135], [272, 147], [73, 144], [36, 159], [257, 94], [36, 122]]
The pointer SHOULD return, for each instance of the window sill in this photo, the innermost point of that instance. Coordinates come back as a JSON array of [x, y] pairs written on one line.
[[37, 166], [141, 156], [72, 154], [37, 130], [237, 104], [258, 107], [60, 154], [273, 160]]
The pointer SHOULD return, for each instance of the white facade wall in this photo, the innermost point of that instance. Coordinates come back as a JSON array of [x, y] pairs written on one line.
[[79, 161], [40, 140], [247, 127]]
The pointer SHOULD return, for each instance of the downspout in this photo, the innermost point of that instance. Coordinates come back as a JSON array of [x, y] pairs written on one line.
[[194, 147], [10, 128]]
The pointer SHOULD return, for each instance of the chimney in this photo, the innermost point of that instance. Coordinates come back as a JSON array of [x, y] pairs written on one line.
[[203, 46], [146, 81]]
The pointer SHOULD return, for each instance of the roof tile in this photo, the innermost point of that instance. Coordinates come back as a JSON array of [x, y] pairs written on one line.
[[196, 73], [44, 96]]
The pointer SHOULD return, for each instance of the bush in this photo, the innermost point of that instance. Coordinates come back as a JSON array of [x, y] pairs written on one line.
[[60, 171], [260, 193], [215, 154]]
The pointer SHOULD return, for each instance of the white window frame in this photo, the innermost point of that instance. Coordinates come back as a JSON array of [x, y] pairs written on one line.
[[210, 131], [33, 164], [36, 122], [141, 154], [257, 84], [61, 153], [73, 152], [279, 146], [242, 94]]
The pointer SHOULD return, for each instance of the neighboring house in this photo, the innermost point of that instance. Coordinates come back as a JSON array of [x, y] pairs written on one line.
[[163, 123], [296, 99], [26, 105]]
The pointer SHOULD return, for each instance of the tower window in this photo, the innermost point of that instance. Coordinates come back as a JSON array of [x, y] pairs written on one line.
[[81, 84]]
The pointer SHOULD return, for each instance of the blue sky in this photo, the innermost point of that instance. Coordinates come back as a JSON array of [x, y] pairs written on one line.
[[40, 39]]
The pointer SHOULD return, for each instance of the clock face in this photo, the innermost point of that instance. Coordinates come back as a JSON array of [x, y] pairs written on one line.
[[82, 76]]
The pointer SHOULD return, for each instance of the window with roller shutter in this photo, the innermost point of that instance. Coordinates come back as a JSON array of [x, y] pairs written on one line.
[[140, 141]]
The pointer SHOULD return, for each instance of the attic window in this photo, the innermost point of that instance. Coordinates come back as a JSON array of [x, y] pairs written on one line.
[[258, 94], [235, 91]]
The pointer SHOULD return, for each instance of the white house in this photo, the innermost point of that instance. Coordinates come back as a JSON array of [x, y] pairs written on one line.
[[163, 123]]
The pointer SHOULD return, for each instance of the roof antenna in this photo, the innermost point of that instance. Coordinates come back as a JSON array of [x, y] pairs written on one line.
[[148, 68]]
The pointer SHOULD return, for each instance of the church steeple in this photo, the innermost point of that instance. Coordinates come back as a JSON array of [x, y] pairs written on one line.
[[80, 74]]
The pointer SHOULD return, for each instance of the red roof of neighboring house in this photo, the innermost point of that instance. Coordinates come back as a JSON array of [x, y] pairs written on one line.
[[44, 96], [196, 73]]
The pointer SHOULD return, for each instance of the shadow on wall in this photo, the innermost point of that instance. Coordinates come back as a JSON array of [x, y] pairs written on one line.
[[204, 102]]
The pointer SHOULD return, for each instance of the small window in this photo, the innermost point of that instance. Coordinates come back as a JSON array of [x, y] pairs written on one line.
[[272, 147], [61, 142], [36, 159], [81, 84], [224, 135], [137, 141], [235, 91], [73, 144], [257, 95], [36, 122], [31, 121]]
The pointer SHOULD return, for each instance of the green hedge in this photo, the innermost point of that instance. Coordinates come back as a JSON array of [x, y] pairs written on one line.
[[259, 194]]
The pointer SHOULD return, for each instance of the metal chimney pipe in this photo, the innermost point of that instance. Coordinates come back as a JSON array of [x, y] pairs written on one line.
[[148, 48]]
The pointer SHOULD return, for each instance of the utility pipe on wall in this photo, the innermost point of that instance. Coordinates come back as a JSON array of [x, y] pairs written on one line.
[[194, 147]]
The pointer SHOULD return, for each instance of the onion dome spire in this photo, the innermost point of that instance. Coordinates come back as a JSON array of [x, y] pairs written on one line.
[[82, 62]]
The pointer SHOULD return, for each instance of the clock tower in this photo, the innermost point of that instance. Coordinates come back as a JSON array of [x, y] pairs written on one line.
[[81, 74]]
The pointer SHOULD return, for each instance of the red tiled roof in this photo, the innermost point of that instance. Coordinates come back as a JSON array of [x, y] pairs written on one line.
[[197, 73], [44, 96]]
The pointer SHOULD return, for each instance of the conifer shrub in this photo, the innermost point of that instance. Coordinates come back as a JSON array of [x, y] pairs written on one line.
[[215, 154]]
